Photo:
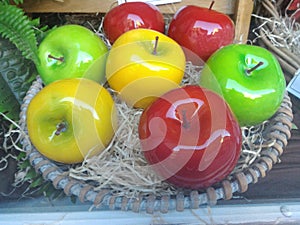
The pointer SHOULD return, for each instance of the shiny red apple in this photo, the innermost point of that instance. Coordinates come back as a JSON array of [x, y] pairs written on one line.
[[201, 30], [132, 15], [190, 137]]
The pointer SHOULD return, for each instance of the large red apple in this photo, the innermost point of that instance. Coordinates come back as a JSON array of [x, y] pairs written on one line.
[[201, 30], [190, 137], [132, 15]]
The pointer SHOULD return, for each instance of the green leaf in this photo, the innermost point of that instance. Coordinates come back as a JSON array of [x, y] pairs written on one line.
[[17, 2], [16, 76], [8, 103], [31, 174], [24, 164], [36, 183], [21, 156], [17, 27]]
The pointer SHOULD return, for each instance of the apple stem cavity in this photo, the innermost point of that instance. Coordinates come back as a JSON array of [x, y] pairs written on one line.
[[155, 46], [61, 59], [249, 71], [61, 127], [211, 5]]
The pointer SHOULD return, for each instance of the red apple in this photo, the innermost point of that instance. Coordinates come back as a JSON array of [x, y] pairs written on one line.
[[190, 137], [201, 30], [132, 15]]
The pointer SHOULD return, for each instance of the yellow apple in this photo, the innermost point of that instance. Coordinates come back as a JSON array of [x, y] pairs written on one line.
[[70, 119], [143, 64]]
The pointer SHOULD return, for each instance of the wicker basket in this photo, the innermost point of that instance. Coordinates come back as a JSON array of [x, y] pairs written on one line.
[[277, 130], [279, 33]]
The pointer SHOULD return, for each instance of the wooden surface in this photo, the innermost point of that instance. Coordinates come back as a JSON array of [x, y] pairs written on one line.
[[242, 18], [240, 10], [96, 6]]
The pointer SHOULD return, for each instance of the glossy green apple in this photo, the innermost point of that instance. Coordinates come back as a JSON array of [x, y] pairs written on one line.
[[72, 51], [70, 119], [249, 78]]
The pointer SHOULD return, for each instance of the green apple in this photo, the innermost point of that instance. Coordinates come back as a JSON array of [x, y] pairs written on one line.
[[249, 78], [70, 119], [72, 51], [143, 64]]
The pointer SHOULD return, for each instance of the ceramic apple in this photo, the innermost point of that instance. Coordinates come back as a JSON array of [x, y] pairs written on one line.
[[72, 51], [132, 15], [201, 30], [143, 64], [249, 78], [190, 137], [70, 119]]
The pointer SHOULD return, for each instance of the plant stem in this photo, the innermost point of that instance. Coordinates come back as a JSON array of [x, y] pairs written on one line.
[[211, 5], [155, 46], [249, 71], [61, 59]]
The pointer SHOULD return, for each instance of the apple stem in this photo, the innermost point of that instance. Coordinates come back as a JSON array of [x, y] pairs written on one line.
[[249, 71], [211, 5], [185, 123], [61, 127], [155, 46], [61, 59]]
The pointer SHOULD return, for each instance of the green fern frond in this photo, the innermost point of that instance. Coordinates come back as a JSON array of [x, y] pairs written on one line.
[[16, 27], [17, 2], [7, 2]]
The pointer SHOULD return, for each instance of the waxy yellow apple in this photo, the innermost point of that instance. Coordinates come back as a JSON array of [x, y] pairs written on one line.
[[70, 119], [143, 64]]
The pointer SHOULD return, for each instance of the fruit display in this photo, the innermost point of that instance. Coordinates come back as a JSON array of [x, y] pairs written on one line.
[[190, 134], [134, 96]]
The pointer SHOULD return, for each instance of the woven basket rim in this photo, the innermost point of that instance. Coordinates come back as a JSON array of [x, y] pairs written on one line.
[[280, 130]]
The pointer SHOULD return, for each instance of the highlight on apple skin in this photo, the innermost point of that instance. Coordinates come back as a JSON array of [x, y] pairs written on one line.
[[132, 15], [249, 78], [71, 119], [72, 51], [143, 64], [201, 30], [190, 137]]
